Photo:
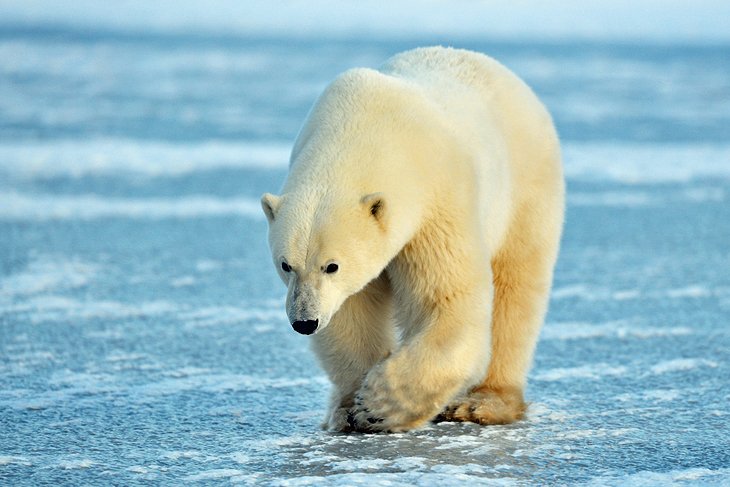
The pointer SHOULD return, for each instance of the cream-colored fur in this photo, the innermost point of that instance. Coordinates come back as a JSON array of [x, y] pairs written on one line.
[[435, 185]]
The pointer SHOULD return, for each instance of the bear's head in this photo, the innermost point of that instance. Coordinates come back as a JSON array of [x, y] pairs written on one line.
[[325, 247]]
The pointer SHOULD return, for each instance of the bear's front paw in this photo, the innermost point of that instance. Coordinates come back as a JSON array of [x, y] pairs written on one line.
[[364, 420], [338, 421], [361, 419], [379, 407]]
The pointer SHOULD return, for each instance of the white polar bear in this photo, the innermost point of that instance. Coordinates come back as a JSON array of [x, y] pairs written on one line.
[[417, 232]]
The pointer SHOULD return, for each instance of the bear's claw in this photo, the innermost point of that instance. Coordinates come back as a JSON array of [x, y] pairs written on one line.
[[362, 422]]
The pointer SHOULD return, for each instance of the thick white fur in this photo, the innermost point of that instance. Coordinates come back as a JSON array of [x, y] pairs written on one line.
[[442, 286]]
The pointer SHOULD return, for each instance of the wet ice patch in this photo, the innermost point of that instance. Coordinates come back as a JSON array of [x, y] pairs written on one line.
[[611, 198], [695, 291], [225, 315], [387, 479], [194, 455], [42, 207], [625, 295], [360, 464], [461, 442], [541, 412], [125, 357], [240, 457], [596, 433], [63, 386], [634, 198], [86, 381], [266, 444], [48, 273], [318, 458], [466, 468], [658, 395], [679, 365], [221, 382], [183, 281], [636, 163], [14, 460], [410, 463], [60, 308], [151, 471], [207, 265], [21, 399], [619, 329], [593, 293], [701, 195], [573, 291], [591, 372], [600, 293], [67, 386], [662, 395], [216, 474], [691, 476], [150, 158], [23, 362], [76, 464]]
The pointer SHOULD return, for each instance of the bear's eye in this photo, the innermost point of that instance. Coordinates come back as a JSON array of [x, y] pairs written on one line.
[[331, 268], [285, 267]]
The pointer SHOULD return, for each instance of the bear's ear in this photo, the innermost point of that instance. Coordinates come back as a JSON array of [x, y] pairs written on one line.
[[270, 203], [375, 205]]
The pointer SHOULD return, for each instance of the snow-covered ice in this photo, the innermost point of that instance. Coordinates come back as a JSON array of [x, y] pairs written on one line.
[[142, 332]]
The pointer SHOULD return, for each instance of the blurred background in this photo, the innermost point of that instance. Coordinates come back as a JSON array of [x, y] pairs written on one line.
[[142, 331]]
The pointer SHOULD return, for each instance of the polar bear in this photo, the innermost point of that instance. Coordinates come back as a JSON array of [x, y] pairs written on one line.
[[417, 232]]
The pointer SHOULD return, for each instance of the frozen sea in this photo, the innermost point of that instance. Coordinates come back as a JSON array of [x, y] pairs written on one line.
[[142, 332]]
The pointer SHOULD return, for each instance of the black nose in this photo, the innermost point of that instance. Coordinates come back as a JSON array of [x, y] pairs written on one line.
[[305, 327]]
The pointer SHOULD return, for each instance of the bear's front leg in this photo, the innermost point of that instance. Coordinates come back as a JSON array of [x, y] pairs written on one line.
[[359, 335], [446, 356]]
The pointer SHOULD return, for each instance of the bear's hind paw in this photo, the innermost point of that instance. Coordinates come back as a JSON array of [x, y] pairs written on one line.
[[486, 406]]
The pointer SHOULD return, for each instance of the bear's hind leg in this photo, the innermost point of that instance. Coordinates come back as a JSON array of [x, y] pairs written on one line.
[[522, 273]]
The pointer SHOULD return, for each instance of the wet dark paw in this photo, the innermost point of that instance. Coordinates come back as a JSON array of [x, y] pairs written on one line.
[[360, 420], [351, 420]]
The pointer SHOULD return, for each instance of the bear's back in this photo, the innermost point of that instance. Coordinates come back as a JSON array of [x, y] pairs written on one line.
[[428, 65], [459, 77], [498, 116], [481, 92]]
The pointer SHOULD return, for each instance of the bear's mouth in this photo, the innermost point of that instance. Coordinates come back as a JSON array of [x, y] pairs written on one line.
[[305, 327]]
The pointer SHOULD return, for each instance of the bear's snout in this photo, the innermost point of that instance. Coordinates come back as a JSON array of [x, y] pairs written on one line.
[[306, 327]]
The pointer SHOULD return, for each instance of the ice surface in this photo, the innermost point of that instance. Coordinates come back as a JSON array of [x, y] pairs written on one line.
[[18, 206], [130, 158], [142, 331]]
